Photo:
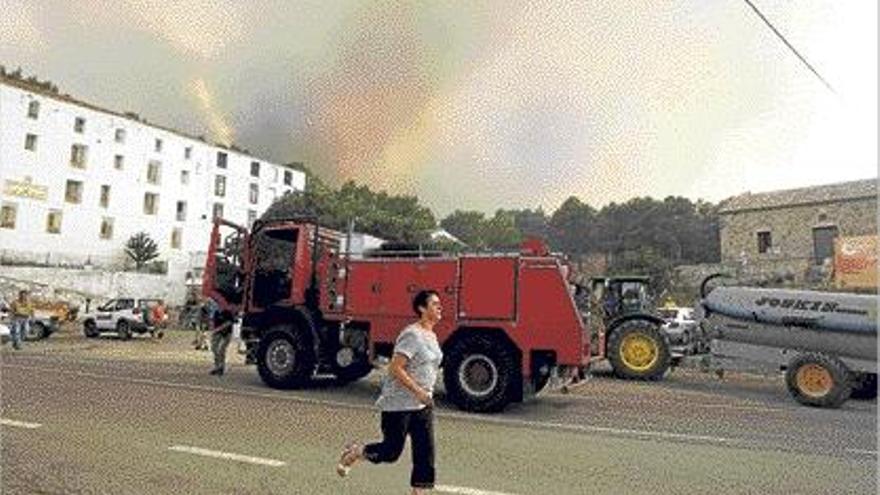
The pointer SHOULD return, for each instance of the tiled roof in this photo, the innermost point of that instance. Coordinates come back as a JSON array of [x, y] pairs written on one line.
[[858, 189]]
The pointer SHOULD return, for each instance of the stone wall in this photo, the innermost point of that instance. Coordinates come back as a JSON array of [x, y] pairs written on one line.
[[74, 285], [791, 229]]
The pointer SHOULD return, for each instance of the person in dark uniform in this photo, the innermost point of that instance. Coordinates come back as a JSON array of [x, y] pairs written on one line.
[[221, 335]]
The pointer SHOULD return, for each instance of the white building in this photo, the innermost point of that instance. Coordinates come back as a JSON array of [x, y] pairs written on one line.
[[78, 180]]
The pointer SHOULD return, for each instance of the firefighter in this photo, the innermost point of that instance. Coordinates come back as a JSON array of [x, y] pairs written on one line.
[[406, 401], [22, 310], [221, 335]]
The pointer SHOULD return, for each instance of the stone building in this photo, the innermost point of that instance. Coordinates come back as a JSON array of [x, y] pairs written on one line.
[[789, 235]]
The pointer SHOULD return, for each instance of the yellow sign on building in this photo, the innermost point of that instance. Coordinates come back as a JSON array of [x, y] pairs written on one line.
[[855, 262], [26, 189]]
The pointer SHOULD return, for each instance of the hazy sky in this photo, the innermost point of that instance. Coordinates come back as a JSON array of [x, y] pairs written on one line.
[[491, 105]]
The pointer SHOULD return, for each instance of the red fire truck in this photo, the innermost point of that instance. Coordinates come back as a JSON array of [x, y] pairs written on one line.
[[308, 308]]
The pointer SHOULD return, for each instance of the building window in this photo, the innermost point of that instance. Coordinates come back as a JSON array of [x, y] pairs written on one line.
[[73, 191], [30, 142], [158, 145], [221, 159], [119, 135], [151, 203], [104, 202], [254, 194], [53, 222], [154, 172], [184, 177], [765, 242], [255, 169], [181, 211], [252, 217], [187, 152], [78, 154], [273, 194], [823, 243], [79, 125], [218, 211], [274, 174], [106, 228], [288, 178], [33, 109], [7, 216], [220, 186], [118, 162], [176, 235]]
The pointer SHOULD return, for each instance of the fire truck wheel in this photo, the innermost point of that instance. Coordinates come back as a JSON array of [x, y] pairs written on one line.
[[123, 329], [818, 380], [352, 372], [285, 358], [480, 374], [864, 386], [638, 351]]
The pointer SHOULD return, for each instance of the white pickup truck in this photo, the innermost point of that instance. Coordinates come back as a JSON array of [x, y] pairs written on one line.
[[124, 316]]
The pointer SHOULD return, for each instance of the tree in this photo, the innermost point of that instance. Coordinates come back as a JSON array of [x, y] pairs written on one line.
[[467, 226], [141, 249]]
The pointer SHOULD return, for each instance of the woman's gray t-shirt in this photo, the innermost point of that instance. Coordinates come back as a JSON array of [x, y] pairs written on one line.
[[423, 363]]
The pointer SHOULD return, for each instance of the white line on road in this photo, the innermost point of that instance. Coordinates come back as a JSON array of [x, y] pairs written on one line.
[[227, 455], [862, 451], [19, 424], [442, 414], [463, 490]]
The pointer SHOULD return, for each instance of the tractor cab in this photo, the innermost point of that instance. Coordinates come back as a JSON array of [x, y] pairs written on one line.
[[620, 296]]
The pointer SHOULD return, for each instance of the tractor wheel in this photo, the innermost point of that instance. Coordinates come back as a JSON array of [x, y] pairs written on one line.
[[818, 380], [123, 329], [285, 358], [638, 351], [90, 329], [36, 331], [864, 386], [481, 374]]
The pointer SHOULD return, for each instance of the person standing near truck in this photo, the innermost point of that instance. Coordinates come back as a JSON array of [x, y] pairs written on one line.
[[22, 312], [221, 334], [406, 401]]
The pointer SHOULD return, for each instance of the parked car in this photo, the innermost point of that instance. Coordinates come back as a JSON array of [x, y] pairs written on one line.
[[42, 325], [124, 316], [680, 328]]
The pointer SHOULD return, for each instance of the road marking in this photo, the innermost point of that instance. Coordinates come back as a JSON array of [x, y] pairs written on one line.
[[19, 424], [862, 451], [442, 414], [227, 455], [463, 490]]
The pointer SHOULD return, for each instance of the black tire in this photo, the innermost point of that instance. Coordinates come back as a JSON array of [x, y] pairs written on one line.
[[638, 351], [481, 374], [818, 380], [285, 358], [123, 329], [90, 329], [353, 372], [36, 331], [864, 386]]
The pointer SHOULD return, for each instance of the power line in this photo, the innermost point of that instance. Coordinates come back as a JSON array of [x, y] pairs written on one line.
[[789, 45]]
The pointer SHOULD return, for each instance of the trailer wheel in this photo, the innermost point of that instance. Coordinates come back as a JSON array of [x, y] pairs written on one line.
[[638, 351], [285, 358], [480, 374], [818, 380], [864, 386]]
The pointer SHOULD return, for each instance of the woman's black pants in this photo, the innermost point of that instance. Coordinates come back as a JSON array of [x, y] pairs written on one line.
[[396, 425]]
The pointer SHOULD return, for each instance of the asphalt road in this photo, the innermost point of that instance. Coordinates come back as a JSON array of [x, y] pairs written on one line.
[[143, 416]]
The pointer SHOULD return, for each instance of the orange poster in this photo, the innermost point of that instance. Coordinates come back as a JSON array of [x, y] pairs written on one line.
[[855, 262]]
